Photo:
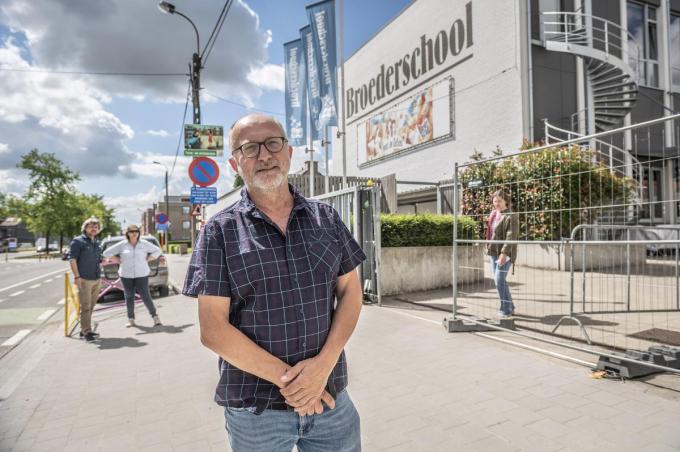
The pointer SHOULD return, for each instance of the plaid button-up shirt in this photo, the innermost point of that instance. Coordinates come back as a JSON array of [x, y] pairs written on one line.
[[282, 288]]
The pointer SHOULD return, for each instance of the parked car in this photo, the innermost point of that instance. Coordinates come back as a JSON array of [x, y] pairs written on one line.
[[41, 246], [111, 282]]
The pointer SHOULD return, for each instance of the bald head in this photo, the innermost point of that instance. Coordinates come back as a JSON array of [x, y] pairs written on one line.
[[249, 122]]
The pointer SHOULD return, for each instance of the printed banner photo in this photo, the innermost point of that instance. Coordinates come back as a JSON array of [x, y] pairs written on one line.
[[418, 119], [322, 21], [408, 125], [296, 93]]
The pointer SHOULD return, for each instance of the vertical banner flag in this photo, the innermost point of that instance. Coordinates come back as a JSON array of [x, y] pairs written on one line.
[[322, 20], [296, 93], [313, 89]]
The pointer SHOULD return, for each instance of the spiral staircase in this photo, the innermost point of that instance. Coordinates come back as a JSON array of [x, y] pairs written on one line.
[[611, 62]]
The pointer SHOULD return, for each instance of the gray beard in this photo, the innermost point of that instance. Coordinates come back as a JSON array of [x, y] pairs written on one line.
[[271, 183]]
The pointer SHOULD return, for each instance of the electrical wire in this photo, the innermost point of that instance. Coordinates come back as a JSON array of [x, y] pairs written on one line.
[[181, 131], [124, 74], [216, 32], [212, 33], [276, 113]]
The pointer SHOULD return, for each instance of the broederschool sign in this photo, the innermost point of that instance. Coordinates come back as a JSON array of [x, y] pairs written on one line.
[[432, 53]]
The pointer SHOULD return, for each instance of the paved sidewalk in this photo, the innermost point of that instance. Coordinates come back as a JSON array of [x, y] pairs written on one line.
[[417, 388]]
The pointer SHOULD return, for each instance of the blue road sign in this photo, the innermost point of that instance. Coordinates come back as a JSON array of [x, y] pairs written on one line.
[[203, 195], [204, 171], [161, 218], [162, 227]]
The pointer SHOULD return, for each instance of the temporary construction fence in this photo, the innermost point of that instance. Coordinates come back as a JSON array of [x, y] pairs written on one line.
[[595, 265], [359, 208]]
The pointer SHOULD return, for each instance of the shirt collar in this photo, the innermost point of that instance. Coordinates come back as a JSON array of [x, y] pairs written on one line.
[[247, 205]]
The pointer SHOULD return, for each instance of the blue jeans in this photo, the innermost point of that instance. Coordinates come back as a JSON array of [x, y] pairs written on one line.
[[500, 274], [141, 286], [273, 431]]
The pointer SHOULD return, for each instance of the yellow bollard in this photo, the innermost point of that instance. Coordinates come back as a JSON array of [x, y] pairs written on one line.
[[66, 303]]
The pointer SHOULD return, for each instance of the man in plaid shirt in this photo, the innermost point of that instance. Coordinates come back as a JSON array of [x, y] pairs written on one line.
[[267, 272]]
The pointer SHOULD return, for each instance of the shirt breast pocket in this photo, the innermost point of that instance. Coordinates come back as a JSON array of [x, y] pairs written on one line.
[[249, 270], [324, 253]]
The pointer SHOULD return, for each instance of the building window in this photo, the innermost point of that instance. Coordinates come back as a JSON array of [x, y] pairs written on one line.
[[186, 224], [185, 210], [674, 33], [643, 34]]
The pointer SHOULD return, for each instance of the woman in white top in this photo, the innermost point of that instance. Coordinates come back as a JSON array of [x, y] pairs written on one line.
[[133, 256]]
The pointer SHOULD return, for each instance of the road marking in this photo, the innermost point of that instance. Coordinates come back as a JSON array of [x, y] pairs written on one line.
[[1, 300], [47, 281], [17, 293], [61, 301], [34, 286], [14, 340], [31, 280], [45, 315]]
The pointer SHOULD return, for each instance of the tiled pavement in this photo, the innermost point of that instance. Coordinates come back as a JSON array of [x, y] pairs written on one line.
[[416, 388]]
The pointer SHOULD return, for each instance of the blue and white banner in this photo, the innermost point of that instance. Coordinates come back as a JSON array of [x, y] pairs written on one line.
[[313, 88], [296, 93], [322, 20]]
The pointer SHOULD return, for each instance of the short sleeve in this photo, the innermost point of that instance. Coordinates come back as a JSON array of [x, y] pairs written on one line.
[[113, 250], [208, 273], [351, 253], [74, 250]]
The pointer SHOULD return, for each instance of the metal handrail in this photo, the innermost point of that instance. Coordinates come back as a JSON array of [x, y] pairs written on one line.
[[549, 130], [566, 23]]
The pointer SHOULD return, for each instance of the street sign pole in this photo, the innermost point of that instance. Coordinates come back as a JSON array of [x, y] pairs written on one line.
[[196, 64]]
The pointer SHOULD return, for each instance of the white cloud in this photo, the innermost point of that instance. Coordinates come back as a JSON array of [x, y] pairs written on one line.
[[158, 133], [130, 208], [11, 184], [134, 36], [61, 115], [4, 148], [268, 76]]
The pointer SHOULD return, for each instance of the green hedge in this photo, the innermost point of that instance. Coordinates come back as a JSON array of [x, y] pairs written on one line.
[[424, 230], [552, 190], [173, 248]]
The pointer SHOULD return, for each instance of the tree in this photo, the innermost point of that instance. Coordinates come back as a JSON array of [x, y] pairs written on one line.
[[238, 181], [4, 206], [44, 208], [552, 190]]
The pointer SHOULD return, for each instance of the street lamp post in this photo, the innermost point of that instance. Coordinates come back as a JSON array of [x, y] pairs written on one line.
[[196, 66], [196, 63], [167, 203]]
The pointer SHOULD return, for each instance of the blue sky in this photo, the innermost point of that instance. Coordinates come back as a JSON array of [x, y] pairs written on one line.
[[110, 129]]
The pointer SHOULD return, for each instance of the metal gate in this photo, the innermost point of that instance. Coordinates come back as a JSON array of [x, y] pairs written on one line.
[[595, 267], [359, 208]]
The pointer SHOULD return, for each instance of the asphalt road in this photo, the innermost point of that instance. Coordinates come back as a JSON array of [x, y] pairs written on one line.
[[30, 293]]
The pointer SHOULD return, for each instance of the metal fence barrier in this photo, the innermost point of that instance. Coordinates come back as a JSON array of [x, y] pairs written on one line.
[[359, 209], [598, 268]]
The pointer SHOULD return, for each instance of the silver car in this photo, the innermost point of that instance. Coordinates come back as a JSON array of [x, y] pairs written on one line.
[[111, 282]]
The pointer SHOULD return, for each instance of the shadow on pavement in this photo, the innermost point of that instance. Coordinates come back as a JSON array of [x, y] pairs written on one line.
[[170, 329], [553, 319], [113, 343]]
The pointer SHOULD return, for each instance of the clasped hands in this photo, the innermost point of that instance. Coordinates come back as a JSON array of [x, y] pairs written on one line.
[[303, 386]]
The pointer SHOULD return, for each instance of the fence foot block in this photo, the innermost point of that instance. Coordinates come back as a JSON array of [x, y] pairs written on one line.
[[658, 355], [457, 325]]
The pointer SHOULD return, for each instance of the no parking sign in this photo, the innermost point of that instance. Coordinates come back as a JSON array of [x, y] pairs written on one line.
[[204, 171]]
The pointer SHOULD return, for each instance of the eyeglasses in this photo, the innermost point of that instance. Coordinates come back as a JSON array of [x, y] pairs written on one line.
[[252, 149]]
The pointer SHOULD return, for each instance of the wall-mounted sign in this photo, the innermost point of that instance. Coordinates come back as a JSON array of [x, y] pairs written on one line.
[[204, 140]]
